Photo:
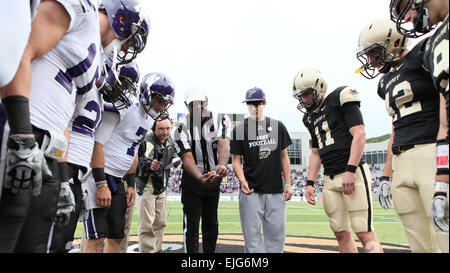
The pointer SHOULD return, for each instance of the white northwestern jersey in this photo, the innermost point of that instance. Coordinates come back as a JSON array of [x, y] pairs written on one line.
[[15, 27], [123, 144], [71, 67], [86, 118]]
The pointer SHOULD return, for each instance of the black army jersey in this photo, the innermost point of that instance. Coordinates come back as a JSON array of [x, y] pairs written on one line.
[[436, 60], [411, 100], [329, 127], [436, 57]]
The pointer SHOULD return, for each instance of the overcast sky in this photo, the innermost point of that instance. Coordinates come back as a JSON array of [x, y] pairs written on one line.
[[228, 47]]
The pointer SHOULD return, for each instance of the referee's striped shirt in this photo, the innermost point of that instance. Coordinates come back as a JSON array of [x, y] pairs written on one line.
[[201, 140]]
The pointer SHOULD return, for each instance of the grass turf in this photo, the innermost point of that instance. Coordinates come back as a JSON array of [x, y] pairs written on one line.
[[302, 220]]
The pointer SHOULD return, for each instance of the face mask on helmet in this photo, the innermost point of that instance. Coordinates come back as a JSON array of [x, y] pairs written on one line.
[[119, 89], [374, 61], [402, 10], [119, 93], [308, 98], [309, 89], [157, 95], [134, 45], [130, 23], [380, 46]]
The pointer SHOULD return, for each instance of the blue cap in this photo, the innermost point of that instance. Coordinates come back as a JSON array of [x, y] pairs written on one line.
[[255, 94]]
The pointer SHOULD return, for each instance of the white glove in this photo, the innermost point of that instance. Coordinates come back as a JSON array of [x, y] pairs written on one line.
[[66, 204], [439, 206], [385, 192], [84, 212], [25, 165]]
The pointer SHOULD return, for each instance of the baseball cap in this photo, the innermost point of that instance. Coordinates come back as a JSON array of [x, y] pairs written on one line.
[[193, 94], [255, 94]]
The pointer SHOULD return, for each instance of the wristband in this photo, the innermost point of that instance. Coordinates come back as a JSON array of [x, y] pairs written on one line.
[[288, 185], [385, 178], [130, 179], [440, 186], [17, 110], [101, 184], [99, 174], [310, 183], [442, 157], [351, 168]]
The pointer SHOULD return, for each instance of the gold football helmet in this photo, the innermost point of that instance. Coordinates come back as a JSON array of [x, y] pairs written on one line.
[[309, 84], [380, 44]]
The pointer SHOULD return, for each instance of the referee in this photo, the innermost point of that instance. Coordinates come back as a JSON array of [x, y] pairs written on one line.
[[202, 142]]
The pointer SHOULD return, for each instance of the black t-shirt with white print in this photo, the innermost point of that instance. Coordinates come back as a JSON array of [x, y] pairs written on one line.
[[261, 143]]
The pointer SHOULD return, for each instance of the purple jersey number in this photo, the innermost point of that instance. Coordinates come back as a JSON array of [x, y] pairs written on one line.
[[85, 125], [140, 132], [66, 78]]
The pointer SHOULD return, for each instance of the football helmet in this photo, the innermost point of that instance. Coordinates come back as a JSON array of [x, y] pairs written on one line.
[[120, 84], [309, 81], [420, 24], [379, 45], [130, 23], [156, 95]]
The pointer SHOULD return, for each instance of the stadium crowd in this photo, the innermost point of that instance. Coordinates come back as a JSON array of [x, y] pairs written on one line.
[[230, 184]]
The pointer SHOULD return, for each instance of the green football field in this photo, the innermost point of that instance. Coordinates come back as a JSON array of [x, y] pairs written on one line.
[[302, 220]]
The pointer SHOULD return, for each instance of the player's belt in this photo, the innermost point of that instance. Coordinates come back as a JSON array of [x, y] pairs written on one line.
[[400, 149]]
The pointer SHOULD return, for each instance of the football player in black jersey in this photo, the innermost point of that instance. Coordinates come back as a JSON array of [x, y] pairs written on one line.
[[338, 138], [415, 18], [413, 104]]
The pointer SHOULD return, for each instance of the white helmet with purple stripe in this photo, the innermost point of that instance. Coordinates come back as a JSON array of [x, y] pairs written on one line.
[[131, 25], [157, 94]]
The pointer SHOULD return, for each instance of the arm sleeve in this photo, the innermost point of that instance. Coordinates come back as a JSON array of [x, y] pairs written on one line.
[[352, 114]]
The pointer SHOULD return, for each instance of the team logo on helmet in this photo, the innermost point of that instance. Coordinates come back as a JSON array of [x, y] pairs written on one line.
[[157, 93], [120, 84]]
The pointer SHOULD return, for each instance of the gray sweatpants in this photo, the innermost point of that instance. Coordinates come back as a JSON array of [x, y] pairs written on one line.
[[268, 210]]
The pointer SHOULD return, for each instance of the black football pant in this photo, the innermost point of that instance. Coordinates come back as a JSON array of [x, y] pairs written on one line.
[[196, 206], [63, 235], [26, 221]]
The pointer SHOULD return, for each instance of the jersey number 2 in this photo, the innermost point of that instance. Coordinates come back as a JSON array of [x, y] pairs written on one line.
[[402, 95]]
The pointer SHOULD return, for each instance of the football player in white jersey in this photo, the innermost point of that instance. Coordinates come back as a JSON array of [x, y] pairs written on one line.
[[122, 23], [62, 58], [130, 24], [19, 14], [87, 117], [115, 159]]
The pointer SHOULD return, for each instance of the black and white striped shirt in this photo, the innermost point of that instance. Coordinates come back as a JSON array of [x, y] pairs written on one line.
[[201, 139]]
